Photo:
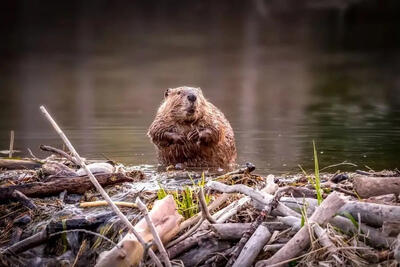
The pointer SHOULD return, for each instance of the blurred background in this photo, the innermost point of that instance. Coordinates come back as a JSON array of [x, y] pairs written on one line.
[[284, 72]]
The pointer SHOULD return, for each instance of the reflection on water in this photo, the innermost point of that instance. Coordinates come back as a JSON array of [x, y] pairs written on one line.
[[283, 74]]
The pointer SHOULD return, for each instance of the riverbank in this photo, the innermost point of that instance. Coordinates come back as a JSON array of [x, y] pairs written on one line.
[[51, 214]]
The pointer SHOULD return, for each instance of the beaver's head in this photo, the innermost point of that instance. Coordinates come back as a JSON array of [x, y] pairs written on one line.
[[183, 104]]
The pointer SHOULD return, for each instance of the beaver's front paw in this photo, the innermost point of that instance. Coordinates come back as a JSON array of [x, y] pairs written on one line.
[[193, 136], [205, 137], [172, 138]]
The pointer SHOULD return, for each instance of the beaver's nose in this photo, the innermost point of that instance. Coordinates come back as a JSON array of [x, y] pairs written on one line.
[[192, 97]]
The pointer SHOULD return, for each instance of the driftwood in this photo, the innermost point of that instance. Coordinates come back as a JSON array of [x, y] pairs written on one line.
[[369, 186], [262, 198], [374, 237], [129, 251], [77, 185], [19, 164], [24, 200], [250, 251], [370, 213], [301, 239], [54, 227]]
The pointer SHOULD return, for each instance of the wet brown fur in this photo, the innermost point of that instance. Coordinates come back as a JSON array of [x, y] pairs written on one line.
[[194, 134]]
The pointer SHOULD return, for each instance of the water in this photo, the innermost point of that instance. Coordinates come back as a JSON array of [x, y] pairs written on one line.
[[283, 74]]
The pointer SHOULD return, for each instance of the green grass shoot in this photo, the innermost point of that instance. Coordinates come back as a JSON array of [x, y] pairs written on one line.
[[186, 200], [315, 181]]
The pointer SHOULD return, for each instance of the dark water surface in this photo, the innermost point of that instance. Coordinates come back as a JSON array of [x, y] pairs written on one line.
[[284, 73]]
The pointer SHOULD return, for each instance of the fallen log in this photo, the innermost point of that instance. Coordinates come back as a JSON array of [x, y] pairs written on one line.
[[301, 239], [369, 186], [73, 185], [19, 164], [371, 213]]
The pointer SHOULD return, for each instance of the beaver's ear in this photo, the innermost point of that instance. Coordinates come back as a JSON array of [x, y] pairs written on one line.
[[166, 92]]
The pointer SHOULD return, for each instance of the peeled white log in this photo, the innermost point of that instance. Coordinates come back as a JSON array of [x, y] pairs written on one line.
[[98, 167], [253, 247]]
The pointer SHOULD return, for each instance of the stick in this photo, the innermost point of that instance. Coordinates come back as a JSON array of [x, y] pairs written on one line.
[[264, 199], [11, 144], [100, 203], [142, 207], [98, 186]]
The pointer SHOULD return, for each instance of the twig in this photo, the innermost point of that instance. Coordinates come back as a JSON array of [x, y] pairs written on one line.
[[100, 203], [98, 186], [32, 155], [203, 206], [339, 164], [11, 144], [80, 251], [156, 238], [59, 152]]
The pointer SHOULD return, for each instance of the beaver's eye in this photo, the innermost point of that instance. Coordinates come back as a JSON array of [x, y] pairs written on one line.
[[179, 92]]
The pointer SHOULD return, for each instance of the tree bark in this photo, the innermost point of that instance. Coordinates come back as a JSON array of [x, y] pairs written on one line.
[[74, 185], [19, 164]]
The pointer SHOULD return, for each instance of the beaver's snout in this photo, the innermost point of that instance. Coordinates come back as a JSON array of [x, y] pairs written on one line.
[[192, 97]]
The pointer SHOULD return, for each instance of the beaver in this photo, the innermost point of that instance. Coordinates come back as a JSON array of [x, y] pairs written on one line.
[[189, 130]]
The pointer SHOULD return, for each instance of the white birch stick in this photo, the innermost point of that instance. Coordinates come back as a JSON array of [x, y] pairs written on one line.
[[98, 186]]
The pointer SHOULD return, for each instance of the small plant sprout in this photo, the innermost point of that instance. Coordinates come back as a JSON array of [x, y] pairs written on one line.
[[315, 181]]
